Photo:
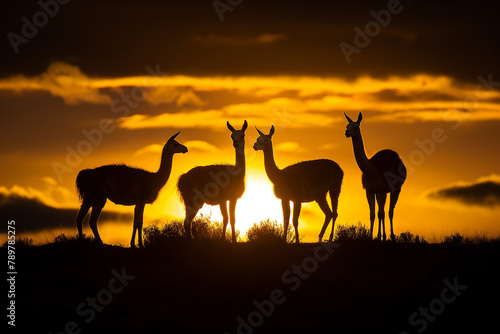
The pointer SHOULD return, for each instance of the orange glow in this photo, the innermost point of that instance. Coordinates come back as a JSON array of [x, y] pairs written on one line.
[[401, 113], [258, 203]]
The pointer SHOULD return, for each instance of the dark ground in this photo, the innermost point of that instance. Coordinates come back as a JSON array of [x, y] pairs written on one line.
[[361, 287]]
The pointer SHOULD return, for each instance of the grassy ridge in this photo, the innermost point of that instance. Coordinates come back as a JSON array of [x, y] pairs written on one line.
[[211, 286], [267, 231]]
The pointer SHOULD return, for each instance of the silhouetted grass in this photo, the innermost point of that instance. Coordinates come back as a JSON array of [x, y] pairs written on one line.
[[409, 238], [264, 232], [269, 231], [349, 233], [482, 237], [19, 243], [202, 228], [63, 238], [456, 239], [157, 234], [358, 232]]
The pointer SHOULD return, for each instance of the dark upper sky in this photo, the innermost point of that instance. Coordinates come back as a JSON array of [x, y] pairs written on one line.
[[116, 38]]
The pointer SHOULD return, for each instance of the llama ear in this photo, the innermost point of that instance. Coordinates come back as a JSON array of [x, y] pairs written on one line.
[[272, 131], [348, 118], [171, 139], [260, 132], [245, 125], [360, 117], [230, 127]]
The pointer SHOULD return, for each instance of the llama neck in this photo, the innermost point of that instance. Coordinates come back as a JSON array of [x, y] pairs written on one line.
[[163, 172], [240, 164], [360, 155], [272, 170]]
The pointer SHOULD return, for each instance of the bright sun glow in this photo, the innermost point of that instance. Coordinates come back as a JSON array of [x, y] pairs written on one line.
[[258, 203]]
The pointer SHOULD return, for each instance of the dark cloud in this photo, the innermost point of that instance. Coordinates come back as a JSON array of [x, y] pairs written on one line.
[[485, 194], [119, 38], [397, 96], [33, 215]]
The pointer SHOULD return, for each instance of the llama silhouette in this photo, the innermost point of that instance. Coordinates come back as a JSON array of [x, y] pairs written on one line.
[[383, 173], [216, 185], [123, 185], [303, 182]]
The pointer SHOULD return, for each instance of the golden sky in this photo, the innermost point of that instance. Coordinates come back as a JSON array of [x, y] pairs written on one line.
[[67, 110]]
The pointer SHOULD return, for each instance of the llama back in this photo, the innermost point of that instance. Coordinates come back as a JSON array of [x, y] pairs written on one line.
[[325, 171], [392, 171], [326, 176], [212, 183]]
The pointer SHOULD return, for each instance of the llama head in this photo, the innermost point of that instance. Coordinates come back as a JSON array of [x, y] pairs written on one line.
[[173, 146], [352, 128], [263, 140], [238, 136]]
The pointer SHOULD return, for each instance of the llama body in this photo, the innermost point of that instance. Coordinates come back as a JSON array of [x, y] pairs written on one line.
[[307, 187], [212, 184], [109, 179], [385, 161], [382, 174], [216, 185], [303, 182], [123, 185]]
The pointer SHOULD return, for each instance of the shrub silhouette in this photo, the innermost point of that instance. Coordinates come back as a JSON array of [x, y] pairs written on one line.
[[359, 232], [24, 242], [352, 233], [268, 231], [409, 238], [155, 234], [64, 238], [456, 239], [202, 228], [21, 242]]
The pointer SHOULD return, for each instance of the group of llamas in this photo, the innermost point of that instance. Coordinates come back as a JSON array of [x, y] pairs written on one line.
[[299, 183]]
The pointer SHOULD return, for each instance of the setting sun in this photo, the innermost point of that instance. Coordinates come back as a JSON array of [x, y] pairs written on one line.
[[258, 203]]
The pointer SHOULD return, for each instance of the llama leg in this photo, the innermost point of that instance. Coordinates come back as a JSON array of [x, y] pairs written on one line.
[[94, 216], [81, 214], [392, 204], [232, 217], [323, 205], [370, 196], [140, 227], [381, 198], [296, 213], [285, 205], [138, 220], [225, 218], [334, 197]]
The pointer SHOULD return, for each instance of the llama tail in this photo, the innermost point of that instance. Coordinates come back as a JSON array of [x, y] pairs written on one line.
[[182, 187], [81, 180], [335, 187]]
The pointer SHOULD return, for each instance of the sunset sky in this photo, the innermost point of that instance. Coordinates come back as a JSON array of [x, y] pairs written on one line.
[[96, 84]]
